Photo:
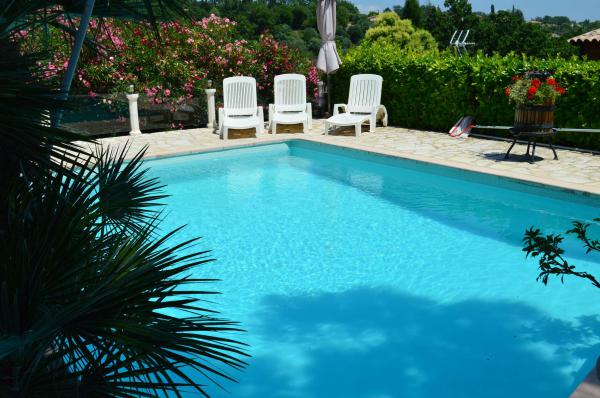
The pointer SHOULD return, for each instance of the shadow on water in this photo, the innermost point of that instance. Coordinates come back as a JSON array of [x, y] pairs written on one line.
[[378, 343]]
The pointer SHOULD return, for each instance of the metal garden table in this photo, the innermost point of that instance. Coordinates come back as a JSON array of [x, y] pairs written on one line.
[[532, 138]]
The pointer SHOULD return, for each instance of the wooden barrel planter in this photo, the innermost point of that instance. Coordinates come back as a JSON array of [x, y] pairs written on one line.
[[534, 118]]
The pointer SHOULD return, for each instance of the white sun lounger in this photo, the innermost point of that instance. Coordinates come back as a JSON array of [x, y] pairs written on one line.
[[290, 105], [364, 103], [239, 106]]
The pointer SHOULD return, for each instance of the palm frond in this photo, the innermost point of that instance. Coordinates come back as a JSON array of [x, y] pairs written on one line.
[[93, 301], [26, 105], [84, 311], [126, 197]]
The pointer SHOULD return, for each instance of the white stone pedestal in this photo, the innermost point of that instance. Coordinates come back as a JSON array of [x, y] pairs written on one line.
[[210, 101], [134, 121]]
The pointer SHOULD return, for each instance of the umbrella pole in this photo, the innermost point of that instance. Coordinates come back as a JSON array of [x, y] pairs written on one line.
[[74, 58], [329, 110]]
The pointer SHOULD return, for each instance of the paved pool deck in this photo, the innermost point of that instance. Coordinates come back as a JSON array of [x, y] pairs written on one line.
[[588, 388], [575, 170]]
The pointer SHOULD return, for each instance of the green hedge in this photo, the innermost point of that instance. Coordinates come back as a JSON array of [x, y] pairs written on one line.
[[433, 90]]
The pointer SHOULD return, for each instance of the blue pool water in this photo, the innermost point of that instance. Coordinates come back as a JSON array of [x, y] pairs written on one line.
[[357, 275]]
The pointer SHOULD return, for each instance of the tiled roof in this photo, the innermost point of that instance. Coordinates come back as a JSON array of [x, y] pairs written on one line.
[[593, 36]]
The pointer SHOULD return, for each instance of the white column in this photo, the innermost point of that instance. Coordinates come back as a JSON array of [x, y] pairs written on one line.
[[210, 101], [133, 114]]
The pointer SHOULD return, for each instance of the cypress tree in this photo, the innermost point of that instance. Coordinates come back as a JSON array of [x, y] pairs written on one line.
[[412, 10]]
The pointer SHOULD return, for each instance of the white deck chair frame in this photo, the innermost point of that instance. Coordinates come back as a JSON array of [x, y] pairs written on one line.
[[239, 106], [290, 105], [364, 104]]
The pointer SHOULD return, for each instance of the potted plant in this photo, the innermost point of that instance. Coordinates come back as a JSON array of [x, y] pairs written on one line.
[[534, 96]]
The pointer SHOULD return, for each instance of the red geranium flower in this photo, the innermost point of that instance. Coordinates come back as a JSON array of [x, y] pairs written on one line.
[[537, 83], [507, 91], [551, 81], [559, 89], [531, 92]]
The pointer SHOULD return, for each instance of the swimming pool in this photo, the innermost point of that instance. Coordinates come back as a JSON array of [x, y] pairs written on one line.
[[359, 275]]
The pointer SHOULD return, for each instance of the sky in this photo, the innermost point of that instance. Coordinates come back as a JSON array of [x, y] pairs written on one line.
[[575, 9]]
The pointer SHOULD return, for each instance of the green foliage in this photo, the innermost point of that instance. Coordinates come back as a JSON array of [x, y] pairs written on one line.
[[412, 11], [432, 91], [438, 23], [565, 28], [95, 299], [508, 31], [287, 20], [534, 91], [173, 74], [390, 28], [502, 31], [460, 12], [547, 249]]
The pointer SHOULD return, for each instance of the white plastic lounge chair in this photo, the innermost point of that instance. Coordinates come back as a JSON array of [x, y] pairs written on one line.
[[239, 106], [364, 103], [290, 105]]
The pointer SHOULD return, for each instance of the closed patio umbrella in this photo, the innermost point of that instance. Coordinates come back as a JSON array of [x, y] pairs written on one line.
[[328, 60]]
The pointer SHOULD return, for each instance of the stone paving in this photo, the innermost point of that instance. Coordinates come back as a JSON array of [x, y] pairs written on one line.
[[574, 170], [589, 388]]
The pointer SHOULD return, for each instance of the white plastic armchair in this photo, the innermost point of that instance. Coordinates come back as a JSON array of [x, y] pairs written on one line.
[[364, 104], [239, 106], [290, 105]]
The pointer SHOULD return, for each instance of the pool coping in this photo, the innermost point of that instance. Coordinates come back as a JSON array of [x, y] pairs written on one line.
[[575, 188], [589, 387]]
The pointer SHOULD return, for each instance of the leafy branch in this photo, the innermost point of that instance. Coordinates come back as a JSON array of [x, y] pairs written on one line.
[[547, 249]]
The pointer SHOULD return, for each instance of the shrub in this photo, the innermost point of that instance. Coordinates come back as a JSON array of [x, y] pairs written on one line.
[[391, 29], [433, 90], [173, 69]]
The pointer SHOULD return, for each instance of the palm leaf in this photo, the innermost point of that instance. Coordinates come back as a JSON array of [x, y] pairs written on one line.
[[84, 311], [93, 300]]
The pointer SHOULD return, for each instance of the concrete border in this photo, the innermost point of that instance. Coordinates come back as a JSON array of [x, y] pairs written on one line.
[[518, 177]]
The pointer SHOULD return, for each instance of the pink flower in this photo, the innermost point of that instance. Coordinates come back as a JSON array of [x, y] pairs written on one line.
[[167, 92]]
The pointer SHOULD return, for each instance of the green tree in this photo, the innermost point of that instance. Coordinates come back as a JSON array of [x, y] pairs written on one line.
[[257, 17], [438, 23], [460, 13], [357, 30], [390, 28], [413, 12], [299, 14], [312, 39], [508, 31]]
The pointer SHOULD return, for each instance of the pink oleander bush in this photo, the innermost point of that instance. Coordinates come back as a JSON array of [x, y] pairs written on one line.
[[170, 70]]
